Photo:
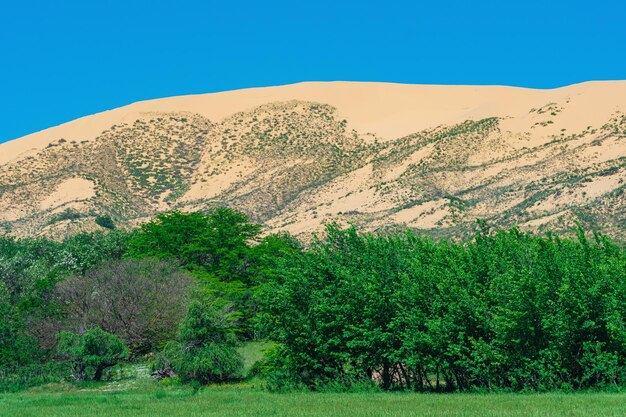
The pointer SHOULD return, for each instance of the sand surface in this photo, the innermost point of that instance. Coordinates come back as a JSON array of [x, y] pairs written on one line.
[[386, 109]]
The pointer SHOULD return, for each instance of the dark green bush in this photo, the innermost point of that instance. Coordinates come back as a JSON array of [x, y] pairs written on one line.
[[94, 351], [205, 350], [67, 214], [105, 221]]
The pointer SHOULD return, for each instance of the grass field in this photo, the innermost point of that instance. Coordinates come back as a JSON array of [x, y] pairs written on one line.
[[155, 401], [135, 394]]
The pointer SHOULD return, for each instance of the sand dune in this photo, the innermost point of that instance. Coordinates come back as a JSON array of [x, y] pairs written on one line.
[[295, 157], [386, 109]]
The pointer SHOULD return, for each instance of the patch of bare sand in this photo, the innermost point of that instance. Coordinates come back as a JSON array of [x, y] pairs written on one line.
[[74, 189]]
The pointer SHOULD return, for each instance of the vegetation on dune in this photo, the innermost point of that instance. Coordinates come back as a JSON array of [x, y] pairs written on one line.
[[296, 164], [394, 310], [67, 214], [105, 221]]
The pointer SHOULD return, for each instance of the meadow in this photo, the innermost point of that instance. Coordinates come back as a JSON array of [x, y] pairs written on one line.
[[243, 400]]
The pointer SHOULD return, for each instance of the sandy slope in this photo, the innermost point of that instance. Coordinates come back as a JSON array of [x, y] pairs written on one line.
[[273, 152], [388, 110]]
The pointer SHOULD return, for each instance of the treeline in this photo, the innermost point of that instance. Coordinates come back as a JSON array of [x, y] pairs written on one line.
[[182, 286], [504, 310]]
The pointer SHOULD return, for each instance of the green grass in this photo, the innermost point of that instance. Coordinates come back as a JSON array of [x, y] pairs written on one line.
[[155, 400], [134, 393], [252, 352]]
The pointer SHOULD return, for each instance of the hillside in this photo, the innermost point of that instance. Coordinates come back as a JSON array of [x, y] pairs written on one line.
[[435, 158]]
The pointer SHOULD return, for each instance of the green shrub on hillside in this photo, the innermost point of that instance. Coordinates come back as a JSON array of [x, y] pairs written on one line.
[[67, 214], [105, 221]]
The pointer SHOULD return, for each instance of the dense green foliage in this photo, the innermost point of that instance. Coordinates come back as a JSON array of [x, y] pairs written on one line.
[[503, 311], [16, 345], [136, 285], [205, 349], [94, 350], [222, 249], [29, 271], [507, 310]]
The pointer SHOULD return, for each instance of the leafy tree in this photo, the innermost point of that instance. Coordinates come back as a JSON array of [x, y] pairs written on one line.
[[217, 242], [222, 249], [94, 350], [168, 235], [205, 349], [139, 300]]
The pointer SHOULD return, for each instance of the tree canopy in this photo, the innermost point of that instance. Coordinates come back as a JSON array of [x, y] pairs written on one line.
[[506, 310]]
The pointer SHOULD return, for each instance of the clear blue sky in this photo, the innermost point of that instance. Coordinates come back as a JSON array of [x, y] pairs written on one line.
[[64, 59]]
